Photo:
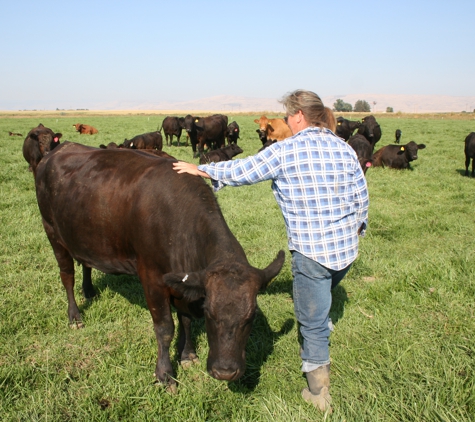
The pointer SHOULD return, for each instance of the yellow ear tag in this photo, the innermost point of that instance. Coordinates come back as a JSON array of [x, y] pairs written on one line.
[[402, 148], [196, 121]]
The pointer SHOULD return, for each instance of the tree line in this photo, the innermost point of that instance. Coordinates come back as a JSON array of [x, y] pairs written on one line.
[[360, 106]]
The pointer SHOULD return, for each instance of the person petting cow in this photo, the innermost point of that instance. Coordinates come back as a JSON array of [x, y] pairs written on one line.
[[321, 190]]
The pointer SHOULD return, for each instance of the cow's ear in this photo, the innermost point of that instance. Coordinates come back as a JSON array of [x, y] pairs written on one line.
[[421, 146], [256, 121], [268, 274], [58, 135], [191, 285]]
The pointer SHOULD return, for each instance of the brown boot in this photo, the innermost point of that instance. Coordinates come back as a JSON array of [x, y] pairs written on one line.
[[318, 391]]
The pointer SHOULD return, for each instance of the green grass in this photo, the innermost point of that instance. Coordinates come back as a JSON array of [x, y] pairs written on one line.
[[403, 348]]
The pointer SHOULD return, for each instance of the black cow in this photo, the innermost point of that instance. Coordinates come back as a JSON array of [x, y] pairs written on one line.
[[232, 133], [191, 132], [109, 209], [398, 136], [39, 142], [363, 150], [172, 126], [111, 145], [397, 157], [470, 152], [345, 127], [370, 129], [150, 140], [268, 143], [222, 154], [211, 131]]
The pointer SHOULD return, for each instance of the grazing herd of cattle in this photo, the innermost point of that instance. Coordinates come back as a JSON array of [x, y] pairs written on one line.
[[109, 208]]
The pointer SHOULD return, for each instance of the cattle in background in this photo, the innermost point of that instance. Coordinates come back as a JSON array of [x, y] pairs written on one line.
[[172, 126], [222, 154], [232, 133], [110, 210], [398, 134], [190, 128], [345, 128], [470, 153], [150, 140], [85, 129], [363, 150], [39, 142], [14, 134], [397, 157], [211, 131], [272, 129], [111, 145], [268, 143], [370, 129]]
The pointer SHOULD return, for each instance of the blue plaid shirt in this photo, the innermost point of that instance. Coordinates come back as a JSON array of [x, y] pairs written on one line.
[[319, 186]]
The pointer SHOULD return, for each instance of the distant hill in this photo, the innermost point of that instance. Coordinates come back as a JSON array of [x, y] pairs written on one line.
[[402, 103], [236, 104]]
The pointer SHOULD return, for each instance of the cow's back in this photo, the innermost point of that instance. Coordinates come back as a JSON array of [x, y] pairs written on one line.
[[113, 209]]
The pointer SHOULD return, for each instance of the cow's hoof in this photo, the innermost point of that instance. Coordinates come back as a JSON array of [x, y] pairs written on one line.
[[172, 389], [76, 325], [185, 364]]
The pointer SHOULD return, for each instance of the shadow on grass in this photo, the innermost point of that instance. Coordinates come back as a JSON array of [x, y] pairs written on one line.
[[258, 349], [259, 346], [461, 172]]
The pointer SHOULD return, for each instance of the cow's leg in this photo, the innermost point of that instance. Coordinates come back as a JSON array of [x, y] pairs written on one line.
[[467, 164], [87, 287], [178, 140], [66, 272], [186, 348], [158, 302], [473, 167]]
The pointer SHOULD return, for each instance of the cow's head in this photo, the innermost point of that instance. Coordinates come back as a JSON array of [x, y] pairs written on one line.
[[39, 142], [410, 150], [367, 127], [128, 143], [230, 303], [78, 126], [199, 123], [189, 123], [235, 150]]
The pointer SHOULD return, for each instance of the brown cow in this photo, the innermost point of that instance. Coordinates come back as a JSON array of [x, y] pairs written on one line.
[[14, 134], [85, 129], [109, 209], [272, 129]]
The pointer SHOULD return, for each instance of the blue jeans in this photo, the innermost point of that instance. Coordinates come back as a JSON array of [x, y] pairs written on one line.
[[312, 302]]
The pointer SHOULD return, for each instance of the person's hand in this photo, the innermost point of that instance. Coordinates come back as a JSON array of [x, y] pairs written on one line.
[[184, 167]]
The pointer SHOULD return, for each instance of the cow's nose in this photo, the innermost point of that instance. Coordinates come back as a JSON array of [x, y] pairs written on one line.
[[225, 374]]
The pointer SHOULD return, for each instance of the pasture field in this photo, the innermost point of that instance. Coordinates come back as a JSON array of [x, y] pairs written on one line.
[[403, 348]]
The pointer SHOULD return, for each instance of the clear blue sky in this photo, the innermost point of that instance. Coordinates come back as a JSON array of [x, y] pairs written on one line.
[[77, 53]]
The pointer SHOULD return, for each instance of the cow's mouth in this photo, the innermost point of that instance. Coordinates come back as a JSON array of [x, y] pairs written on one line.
[[225, 375]]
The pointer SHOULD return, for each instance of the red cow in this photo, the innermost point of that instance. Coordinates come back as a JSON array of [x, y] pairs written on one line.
[[272, 129], [85, 129]]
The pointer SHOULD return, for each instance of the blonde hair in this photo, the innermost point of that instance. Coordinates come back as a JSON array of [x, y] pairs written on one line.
[[311, 105]]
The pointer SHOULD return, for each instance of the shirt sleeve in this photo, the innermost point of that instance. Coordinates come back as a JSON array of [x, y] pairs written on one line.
[[265, 165], [361, 201]]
